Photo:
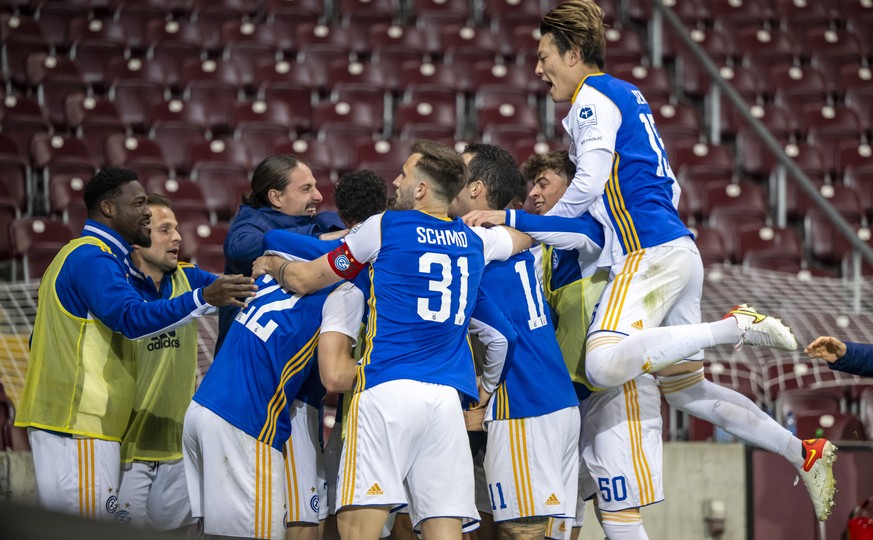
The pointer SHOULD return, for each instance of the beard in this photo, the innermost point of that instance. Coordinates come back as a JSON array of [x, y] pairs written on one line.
[[404, 200], [141, 237]]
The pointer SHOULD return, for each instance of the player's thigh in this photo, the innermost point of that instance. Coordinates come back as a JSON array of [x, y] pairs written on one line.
[[133, 495], [168, 506], [622, 446], [302, 459], [440, 478], [192, 457], [645, 287], [76, 476], [532, 465], [243, 494], [383, 427]]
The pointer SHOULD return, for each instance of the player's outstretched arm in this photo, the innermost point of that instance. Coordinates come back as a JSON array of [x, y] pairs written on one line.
[[230, 290], [485, 218], [828, 348]]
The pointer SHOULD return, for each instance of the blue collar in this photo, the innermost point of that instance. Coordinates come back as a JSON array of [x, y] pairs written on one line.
[[118, 245]]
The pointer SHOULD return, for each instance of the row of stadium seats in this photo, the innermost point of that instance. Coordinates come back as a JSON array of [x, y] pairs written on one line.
[[804, 396]]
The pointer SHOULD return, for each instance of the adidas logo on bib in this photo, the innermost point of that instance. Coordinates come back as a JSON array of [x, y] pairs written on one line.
[[375, 490], [552, 500]]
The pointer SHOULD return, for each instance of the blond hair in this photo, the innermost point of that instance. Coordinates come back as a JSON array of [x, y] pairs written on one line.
[[577, 25]]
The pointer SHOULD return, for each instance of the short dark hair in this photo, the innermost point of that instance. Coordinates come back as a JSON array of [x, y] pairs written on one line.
[[271, 173], [359, 195], [497, 169], [558, 161], [156, 199], [443, 166], [105, 185]]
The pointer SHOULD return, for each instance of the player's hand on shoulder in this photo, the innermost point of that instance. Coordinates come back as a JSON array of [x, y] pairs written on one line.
[[265, 264], [230, 290], [485, 218]]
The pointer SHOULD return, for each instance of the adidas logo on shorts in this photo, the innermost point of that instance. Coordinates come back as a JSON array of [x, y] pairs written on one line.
[[552, 500], [375, 490]]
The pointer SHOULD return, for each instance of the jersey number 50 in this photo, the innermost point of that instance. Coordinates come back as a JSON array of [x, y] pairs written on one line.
[[443, 286]]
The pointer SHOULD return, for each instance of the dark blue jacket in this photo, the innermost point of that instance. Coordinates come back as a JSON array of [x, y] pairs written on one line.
[[244, 244], [858, 360]]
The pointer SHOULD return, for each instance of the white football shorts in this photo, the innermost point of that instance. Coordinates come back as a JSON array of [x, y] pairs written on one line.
[[154, 495], [304, 468]]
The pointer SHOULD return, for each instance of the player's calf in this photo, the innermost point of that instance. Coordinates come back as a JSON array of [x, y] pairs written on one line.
[[533, 528]]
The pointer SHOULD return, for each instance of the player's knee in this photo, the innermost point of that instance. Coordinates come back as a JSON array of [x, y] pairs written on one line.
[[532, 528]]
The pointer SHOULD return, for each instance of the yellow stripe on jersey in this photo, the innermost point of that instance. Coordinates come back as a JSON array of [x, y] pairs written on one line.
[[350, 465], [641, 464], [578, 88], [682, 383], [277, 404], [620, 286], [625, 221], [371, 335]]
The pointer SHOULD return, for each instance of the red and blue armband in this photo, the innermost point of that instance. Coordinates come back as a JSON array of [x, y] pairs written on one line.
[[343, 263]]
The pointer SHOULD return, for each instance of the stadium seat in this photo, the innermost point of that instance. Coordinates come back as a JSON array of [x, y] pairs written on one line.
[[174, 138], [799, 401], [14, 173], [54, 19], [859, 100], [503, 112], [54, 150], [260, 125], [433, 132], [221, 183], [136, 86], [94, 117], [372, 74], [92, 56], [391, 35], [785, 241], [437, 74], [21, 37], [822, 240], [342, 113], [798, 17], [831, 49], [318, 154], [418, 112], [203, 244], [777, 262], [787, 374], [654, 83], [391, 152], [187, 198], [742, 196], [135, 18], [345, 138], [731, 218], [392, 58], [796, 86], [218, 151], [765, 48], [36, 241], [711, 246], [676, 124], [732, 16], [209, 19], [172, 55], [245, 58], [508, 14], [138, 153], [54, 78], [861, 180], [321, 54], [462, 61], [701, 159], [295, 98], [625, 47], [458, 9], [832, 426], [453, 36], [8, 214]]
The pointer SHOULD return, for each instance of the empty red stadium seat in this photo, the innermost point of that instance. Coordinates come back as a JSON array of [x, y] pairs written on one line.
[[36, 241], [203, 244], [832, 426]]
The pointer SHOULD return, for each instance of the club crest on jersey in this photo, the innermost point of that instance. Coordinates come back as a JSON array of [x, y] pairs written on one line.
[[587, 115], [342, 263]]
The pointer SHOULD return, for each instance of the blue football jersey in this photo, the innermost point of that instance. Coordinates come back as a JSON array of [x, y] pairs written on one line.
[[264, 361], [537, 381], [424, 273]]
